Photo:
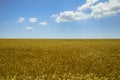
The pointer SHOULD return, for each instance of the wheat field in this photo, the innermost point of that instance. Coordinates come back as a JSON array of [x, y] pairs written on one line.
[[60, 59]]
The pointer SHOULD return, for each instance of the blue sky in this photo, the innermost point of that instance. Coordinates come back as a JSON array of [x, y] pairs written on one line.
[[59, 19]]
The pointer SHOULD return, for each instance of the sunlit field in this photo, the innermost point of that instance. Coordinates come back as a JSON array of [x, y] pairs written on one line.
[[34, 59]]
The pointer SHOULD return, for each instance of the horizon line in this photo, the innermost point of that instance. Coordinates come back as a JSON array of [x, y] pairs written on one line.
[[60, 38]]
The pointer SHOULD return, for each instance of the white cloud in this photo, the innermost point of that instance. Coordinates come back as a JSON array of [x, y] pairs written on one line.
[[87, 5], [109, 8], [97, 10], [43, 23], [29, 27], [68, 16], [21, 19], [54, 15], [33, 20]]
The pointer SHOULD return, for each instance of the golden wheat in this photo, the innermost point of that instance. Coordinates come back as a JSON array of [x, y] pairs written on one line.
[[29, 59]]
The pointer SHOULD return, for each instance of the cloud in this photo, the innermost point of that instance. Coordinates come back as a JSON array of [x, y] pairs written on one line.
[[43, 23], [87, 5], [97, 10], [33, 20], [68, 16], [54, 15], [109, 8], [21, 19], [29, 27]]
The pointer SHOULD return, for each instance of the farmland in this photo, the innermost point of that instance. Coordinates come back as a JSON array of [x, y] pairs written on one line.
[[40, 59]]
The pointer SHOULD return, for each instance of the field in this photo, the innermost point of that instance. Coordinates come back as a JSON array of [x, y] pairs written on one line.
[[34, 59]]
